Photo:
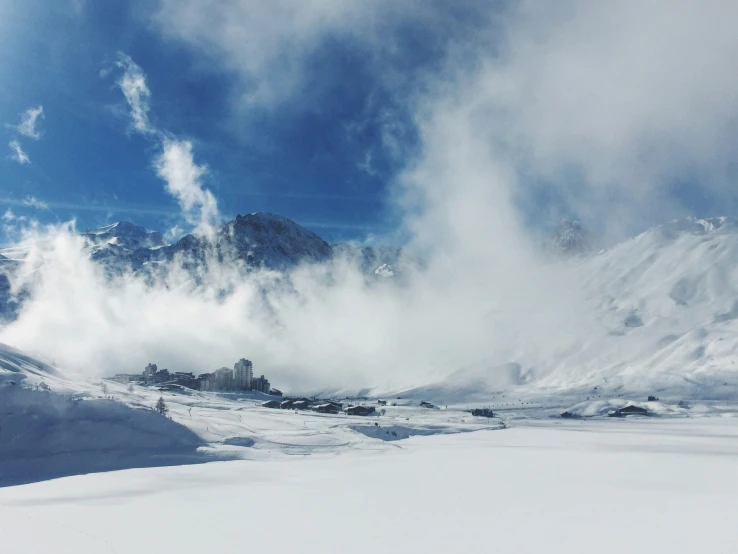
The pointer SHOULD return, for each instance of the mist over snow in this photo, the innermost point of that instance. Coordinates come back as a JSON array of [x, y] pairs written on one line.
[[320, 325], [603, 106]]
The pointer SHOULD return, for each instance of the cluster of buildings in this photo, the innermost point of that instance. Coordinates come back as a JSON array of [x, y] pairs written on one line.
[[225, 379], [319, 405]]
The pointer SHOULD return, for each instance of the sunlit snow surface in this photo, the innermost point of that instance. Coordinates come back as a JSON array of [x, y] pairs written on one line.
[[605, 486], [411, 480]]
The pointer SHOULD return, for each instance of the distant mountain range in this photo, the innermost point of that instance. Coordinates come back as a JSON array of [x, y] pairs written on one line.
[[258, 240], [661, 307], [571, 238], [249, 242]]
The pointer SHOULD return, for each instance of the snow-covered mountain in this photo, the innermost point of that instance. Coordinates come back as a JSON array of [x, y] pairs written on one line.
[[662, 312], [661, 308], [56, 424], [273, 241], [258, 240], [123, 245], [383, 261], [570, 238], [252, 241], [9, 303]]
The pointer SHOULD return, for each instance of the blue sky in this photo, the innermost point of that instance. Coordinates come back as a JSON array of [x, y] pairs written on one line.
[[314, 109], [317, 159]]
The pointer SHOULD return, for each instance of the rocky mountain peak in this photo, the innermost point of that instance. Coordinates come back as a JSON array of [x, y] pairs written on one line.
[[571, 238]]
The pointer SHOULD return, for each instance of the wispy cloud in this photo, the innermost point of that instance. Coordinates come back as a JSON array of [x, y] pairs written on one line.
[[176, 164], [17, 153], [33, 202], [134, 209], [137, 93], [29, 121]]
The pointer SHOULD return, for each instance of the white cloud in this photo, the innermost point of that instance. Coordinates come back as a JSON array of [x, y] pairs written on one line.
[[603, 101], [29, 121], [269, 45], [264, 42], [8, 215], [17, 153], [33, 202], [609, 103], [137, 94], [174, 233], [176, 166]]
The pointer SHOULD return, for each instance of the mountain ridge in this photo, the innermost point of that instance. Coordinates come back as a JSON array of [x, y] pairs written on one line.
[[663, 305]]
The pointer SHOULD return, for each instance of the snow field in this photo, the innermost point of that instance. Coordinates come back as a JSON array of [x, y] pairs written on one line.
[[646, 486]]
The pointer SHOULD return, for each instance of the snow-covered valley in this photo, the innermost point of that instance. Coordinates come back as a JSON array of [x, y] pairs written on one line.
[[652, 486], [80, 463], [82, 456], [368, 277], [653, 314]]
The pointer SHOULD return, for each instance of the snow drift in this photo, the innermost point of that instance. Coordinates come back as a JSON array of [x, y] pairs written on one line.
[[44, 434]]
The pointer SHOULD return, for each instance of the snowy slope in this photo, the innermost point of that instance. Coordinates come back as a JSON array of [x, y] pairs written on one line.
[[661, 309], [55, 423], [663, 313], [609, 487], [667, 303], [52, 425]]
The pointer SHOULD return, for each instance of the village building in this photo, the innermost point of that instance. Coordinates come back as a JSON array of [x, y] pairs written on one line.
[[206, 382], [243, 374], [260, 384], [224, 379], [240, 378], [126, 378], [327, 408], [628, 410], [360, 410]]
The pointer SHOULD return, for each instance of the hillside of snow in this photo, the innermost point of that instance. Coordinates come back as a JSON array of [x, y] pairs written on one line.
[[658, 313], [664, 319], [605, 486], [55, 423], [667, 301]]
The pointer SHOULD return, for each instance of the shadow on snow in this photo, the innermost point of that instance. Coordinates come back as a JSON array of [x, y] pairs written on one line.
[[45, 435]]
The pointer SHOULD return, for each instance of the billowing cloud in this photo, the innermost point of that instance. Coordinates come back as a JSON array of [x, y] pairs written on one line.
[[29, 120], [17, 153], [603, 106], [608, 105], [176, 166], [272, 47], [266, 43]]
